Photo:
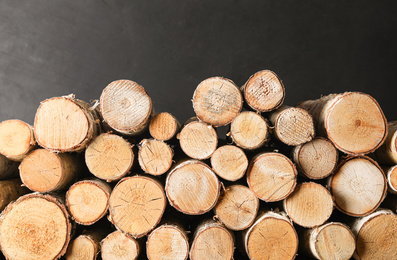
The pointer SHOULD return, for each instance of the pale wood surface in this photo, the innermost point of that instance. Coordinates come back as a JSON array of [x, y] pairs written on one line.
[[229, 162], [391, 175], [387, 152], [154, 156], [163, 126], [117, 246], [83, 247]]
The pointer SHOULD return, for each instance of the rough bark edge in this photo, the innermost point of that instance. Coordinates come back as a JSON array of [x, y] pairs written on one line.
[[141, 164], [177, 128], [138, 246]]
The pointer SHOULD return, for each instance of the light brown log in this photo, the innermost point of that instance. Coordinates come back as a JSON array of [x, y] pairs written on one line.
[[272, 236], [229, 162], [292, 126], [154, 156], [353, 121], [65, 124], [10, 190], [358, 186], [237, 207], [164, 126], [16, 139], [82, 247], [264, 91], [212, 240], [391, 176], [192, 187], [136, 205], [109, 157], [217, 101], [118, 246], [167, 242], [249, 130], [126, 107], [8, 168], [34, 227], [46, 171], [88, 201], [316, 159], [387, 152], [271, 176]]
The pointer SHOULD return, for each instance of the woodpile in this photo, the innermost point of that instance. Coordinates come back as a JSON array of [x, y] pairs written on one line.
[[115, 180]]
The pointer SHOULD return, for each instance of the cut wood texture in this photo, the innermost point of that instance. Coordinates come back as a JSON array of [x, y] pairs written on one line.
[[272, 236], [249, 130], [83, 247], [109, 157], [136, 205], [271, 176], [88, 201], [117, 246], [154, 156], [217, 101], [387, 152], [292, 126], [358, 186], [10, 190], [65, 124], [264, 91], [8, 168], [167, 242], [164, 126], [237, 207], [229, 162], [212, 240], [126, 107], [16, 139], [192, 187], [391, 175], [316, 159], [34, 227], [353, 121]]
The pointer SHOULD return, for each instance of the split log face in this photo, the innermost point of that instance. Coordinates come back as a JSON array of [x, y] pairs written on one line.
[[229, 162], [271, 176], [8, 168], [34, 227], [387, 153], [117, 246], [82, 247], [10, 190], [391, 175], [217, 101], [264, 91], [109, 157], [126, 107], [136, 205], [163, 126], [154, 156]]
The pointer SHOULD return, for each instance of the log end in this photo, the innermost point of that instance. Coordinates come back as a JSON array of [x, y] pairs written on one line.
[[117, 246], [229, 162], [163, 126]]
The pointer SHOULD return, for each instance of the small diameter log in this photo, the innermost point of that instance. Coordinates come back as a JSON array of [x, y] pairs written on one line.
[[264, 91], [387, 152], [65, 124], [126, 107], [316, 159], [237, 207], [117, 246], [376, 236], [16, 139], [10, 190], [46, 171], [358, 186], [34, 227], [192, 187], [109, 157], [8, 168], [353, 121], [229, 162], [154, 156], [249, 130], [391, 175], [292, 126], [217, 101], [272, 236], [164, 126], [136, 205], [212, 240], [83, 247], [167, 242], [271, 176], [88, 201]]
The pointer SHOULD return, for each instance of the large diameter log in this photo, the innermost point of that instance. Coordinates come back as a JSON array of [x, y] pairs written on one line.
[[387, 152], [154, 156], [229, 162], [83, 247], [16, 139], [34, 227], [8, 168], [118, 246], [126, 107], [217, 101], [10, 190], [164, 126], [353, 121], [391, 176]]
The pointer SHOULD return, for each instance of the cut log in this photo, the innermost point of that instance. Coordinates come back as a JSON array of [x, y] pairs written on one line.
[[46, 171], [167, 242], [10, 190], [264, 91], [387, 152], [117, 246], [249, 130], [358, 186], [316, 159], [212, 240], [164, 126], [292, 126], [229, 162], [8, 168], [353, 121], [391, 175], [154, 156], [237, 207], [83, 247], [16, 139], [126, 107], [34, 227], [271, 176], [192, 187], [217, 101], [109, 157], [136, 205]]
